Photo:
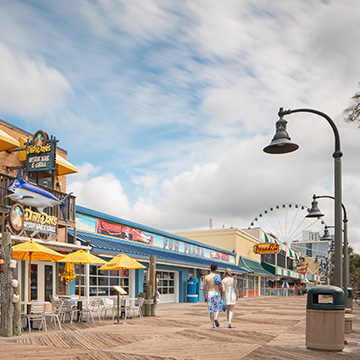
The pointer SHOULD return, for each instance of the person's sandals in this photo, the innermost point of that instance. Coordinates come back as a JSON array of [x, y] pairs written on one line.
[[217, 323]]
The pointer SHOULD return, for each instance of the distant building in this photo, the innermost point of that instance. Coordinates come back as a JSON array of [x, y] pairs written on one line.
[[312, 248]]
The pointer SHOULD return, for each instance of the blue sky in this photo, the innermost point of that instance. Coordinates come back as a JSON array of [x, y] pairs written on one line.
[[165, 106]]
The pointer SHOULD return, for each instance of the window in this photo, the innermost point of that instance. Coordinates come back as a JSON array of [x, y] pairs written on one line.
[[165, 282], [102, 282], [49, 273]]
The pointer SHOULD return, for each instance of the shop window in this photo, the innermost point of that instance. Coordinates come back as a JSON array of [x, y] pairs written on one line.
[[165, 282], [268, 258], [102, 282]]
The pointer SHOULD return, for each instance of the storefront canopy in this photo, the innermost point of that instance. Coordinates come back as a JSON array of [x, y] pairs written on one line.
[[64, 166], [7, 142], [280, 271], [253, 267], [111, 246]]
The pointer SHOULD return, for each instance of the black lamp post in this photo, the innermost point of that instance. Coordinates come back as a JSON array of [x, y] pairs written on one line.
[[314, 213], [281, 143]]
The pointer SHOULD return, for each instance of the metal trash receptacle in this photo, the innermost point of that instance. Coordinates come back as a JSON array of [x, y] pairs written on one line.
[[325, 318], [192, 294]]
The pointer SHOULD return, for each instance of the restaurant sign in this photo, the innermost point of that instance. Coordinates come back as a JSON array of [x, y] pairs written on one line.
[[266, 248], [25, 219], [41, 153]]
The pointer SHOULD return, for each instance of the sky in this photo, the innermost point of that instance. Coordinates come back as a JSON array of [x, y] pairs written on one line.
[[165, 106]]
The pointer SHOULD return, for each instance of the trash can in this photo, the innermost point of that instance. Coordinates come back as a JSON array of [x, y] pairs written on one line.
[[325, 318], [350, 299], [192, 295]]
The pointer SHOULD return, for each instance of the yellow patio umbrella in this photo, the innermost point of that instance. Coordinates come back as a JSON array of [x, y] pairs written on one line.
[[81, 257], [31, 250], [69, 273], [122, 262]]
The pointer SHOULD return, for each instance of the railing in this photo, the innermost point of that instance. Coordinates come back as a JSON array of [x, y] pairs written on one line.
[[70, 207], [278, 292]]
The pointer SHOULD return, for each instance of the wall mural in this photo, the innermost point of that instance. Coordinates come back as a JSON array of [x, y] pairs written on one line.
[[90, 224]]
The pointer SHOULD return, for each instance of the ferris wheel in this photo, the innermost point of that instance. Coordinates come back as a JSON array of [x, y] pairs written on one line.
[[287, 222]]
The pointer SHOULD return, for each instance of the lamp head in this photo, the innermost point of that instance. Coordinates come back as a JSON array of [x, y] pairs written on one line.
[[314, 211], [281, 144], [326, 236]]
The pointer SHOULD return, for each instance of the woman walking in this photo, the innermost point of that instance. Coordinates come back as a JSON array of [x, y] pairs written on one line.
[[230, 295]]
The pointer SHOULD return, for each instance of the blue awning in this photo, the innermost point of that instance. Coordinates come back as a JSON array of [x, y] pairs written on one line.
[[113, 246]]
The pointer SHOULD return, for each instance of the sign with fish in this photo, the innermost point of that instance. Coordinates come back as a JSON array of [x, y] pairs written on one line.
[[31, 195]]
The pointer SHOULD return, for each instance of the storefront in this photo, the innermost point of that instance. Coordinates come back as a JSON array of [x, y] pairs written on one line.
[[177, 258], [35, 205], [256, 282]]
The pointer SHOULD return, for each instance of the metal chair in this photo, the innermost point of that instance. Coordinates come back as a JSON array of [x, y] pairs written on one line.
[[67, 309], [88, 309], [136, 308], [37, 313], [107, 306], [96, 307], [56, 311]]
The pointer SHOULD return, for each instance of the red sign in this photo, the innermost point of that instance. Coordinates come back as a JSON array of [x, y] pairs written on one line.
[[266, 248]]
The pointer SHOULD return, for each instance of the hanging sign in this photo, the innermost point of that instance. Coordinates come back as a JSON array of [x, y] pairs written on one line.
[[266, 248], [41, 153]]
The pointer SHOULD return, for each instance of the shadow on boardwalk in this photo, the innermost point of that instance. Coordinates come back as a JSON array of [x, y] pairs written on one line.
[[266, 328]]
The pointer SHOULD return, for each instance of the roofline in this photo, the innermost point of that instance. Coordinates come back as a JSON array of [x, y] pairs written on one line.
[[26, 133], [98, 214]]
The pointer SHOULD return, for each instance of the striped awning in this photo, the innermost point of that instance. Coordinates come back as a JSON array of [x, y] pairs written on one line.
[[293, 254], [269, 239]]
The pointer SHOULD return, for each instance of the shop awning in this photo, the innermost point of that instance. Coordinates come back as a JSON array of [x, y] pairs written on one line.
[[253, 266], [268, 239], [113, 246], [293, 254], [64, 166], [280, 271], [7, 142]]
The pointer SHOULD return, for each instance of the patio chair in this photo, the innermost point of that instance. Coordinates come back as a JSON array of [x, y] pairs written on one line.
[[107, 306], [53, 297], [88, 309], [123, 308], [97, 306], [56, 311], [37, 313], [132, 310], [67, 309]]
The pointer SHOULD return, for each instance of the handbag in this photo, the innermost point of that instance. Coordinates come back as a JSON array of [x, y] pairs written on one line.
[[223, 305]]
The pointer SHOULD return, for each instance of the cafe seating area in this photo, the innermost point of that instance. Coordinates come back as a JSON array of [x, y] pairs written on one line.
[[72, 310]]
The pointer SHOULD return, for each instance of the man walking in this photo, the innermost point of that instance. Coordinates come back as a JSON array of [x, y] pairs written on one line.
[[212, 295]]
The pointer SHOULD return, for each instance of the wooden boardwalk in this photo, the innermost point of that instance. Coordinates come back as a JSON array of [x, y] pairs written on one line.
[[266, 328]]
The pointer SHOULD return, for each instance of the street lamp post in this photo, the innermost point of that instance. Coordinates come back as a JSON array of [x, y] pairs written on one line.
[[281, 143], [314, 212]]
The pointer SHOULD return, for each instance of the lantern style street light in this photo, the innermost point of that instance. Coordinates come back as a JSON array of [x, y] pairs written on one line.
[[314, 212], [281, 143]]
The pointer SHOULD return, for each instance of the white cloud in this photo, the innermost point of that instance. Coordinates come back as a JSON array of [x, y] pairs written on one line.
[[173, 103], [29, 87]]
